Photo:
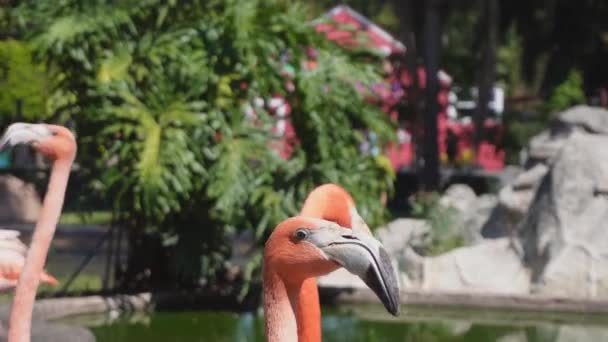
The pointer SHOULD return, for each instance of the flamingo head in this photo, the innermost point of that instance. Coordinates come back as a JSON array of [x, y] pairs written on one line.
[[53, 141], [332, 202], [302, 247]]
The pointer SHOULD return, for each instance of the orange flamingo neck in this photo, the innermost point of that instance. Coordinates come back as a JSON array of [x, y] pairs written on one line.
[[281, 301], [329, 202], [23, 304]]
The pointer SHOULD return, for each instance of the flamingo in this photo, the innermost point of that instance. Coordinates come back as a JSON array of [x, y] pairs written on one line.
[[57, 144], [301, 248], [333, 203], [12, 258]]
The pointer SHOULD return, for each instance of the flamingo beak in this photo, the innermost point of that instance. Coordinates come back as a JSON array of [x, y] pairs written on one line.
[[362, 255], [24, 133], [357, 222]]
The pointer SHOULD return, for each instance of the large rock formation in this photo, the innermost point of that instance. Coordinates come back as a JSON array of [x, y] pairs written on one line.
[[546, 232], [564, 236], [489, 267], [552, 213], [591, 119]]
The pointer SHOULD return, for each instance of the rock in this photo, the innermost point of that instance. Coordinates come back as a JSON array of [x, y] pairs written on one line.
[[543, 147], [583, 119], [411, 266], [508, 175], [547, 228], [592, 119], [403, 232], [477, 224], [19, 201], [490, 267], [461, 200], [458, 196], [401, 238], [513, 203], [543, 234], [500, 223], [530, 178], [473, 213], [563, 237], [516, 198]]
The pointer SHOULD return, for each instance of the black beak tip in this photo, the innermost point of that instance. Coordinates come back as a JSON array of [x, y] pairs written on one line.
[[388, 296], [394, 308], [391, 302]]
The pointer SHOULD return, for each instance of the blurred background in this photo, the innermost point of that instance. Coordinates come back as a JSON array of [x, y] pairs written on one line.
[[468, 132]]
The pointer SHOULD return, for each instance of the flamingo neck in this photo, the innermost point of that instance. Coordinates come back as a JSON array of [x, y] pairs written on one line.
[[23, 304], [280, 307], [308, 313]]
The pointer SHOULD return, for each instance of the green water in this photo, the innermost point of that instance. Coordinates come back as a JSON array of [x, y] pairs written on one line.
[[357, 324]]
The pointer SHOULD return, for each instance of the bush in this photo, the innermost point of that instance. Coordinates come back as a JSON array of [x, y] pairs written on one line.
[[518, 133], [157, 91], [21, 79], [567, 94]]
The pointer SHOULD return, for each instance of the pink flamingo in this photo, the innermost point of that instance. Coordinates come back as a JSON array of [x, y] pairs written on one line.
[[301, 248], [12, 259], [57, 144]]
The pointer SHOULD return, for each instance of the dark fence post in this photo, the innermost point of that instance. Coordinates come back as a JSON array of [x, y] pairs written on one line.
[[487, 72], [432, 46]]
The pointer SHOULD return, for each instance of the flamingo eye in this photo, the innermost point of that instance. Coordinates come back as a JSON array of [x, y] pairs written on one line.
[[300, 234]]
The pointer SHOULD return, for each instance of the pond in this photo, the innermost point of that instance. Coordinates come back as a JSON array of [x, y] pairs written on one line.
[[358, 323]]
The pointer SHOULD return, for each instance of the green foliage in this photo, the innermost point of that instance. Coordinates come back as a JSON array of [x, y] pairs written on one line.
[[442, 238], [567, 94], [84, 218], [460, 55], [518, 134], [509, 66], [21, 79], [157, 91]]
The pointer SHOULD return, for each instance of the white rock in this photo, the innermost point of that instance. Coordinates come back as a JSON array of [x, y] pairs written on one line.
[[592, 119], [490, 267], [458, 196], [564, 235]]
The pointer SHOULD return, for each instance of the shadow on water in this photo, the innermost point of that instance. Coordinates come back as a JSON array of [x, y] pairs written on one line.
[[354, 324]]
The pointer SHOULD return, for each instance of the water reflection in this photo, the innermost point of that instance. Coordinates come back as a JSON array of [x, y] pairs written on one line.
[[357, 324]]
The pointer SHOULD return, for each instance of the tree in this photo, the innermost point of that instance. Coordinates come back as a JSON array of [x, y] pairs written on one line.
[[21, 81], [157, 91], [556, 37]]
